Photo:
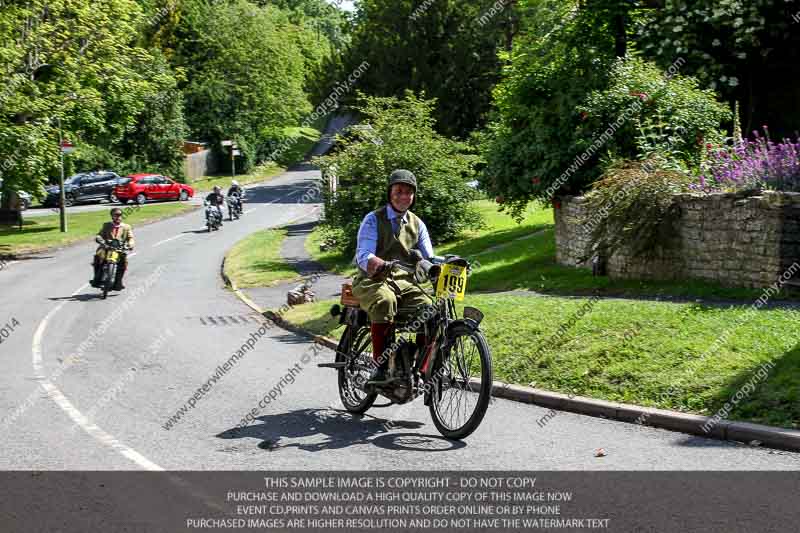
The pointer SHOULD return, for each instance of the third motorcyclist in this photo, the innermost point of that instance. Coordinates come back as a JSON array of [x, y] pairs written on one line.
[[235, 195]]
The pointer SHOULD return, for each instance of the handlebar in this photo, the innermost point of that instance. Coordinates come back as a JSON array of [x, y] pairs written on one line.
[[423, 269], [119, 248]]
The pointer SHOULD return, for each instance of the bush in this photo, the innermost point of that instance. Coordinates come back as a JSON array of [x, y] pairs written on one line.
[[756, 164], [562, 144], [632, 205], [669, 114], [398, 134]]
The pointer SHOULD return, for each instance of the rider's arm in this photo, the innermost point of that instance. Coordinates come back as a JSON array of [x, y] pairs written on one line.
[[100, 238], [367, 244], [131, 240], [424, 241]]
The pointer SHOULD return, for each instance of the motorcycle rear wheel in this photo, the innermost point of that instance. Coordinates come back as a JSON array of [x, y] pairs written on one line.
[[356, 342], [460, 397]]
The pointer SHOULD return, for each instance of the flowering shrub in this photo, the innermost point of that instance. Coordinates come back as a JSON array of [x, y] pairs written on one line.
[[752, 164]]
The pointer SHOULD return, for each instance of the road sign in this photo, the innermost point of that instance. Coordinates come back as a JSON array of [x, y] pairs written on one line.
[[227, 143], [237, 152], [67, 147]]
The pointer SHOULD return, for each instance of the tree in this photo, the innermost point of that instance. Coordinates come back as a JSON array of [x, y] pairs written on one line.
[[74, 64], [746, 51], [399, 134], [246, 69], [447, 49]]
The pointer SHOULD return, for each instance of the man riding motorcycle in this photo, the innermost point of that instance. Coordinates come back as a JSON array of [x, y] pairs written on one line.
[[235, 188], [386, 234], [235, 195], [216, 200], [116, 229]]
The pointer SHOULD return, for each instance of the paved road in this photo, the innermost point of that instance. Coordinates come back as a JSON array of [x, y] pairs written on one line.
[[90, 384], [41, 211]]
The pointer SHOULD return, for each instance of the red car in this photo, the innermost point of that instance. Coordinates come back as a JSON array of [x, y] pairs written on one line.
[[142, 187]]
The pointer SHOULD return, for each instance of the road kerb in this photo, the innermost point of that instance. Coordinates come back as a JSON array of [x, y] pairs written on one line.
[[743, 432]]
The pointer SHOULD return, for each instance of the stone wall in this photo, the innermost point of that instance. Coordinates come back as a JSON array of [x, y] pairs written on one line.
[[729, 238]]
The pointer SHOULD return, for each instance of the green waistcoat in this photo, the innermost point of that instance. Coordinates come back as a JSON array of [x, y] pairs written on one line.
[[390, 247]]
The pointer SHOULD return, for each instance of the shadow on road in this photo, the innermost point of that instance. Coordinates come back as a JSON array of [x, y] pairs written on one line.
[[81, 297], [341, 429]]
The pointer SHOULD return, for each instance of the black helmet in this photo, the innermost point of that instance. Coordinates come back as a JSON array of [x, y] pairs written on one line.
[[402, 176]]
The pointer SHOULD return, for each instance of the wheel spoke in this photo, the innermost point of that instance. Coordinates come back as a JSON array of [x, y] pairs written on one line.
[[461, 399]]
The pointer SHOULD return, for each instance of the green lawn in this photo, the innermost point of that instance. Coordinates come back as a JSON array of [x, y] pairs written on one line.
[[651, 353], [255, 261], [645, 353], [44, 232], [331, 260]]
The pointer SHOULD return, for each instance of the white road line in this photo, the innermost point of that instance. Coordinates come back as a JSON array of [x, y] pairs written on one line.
[[79, 418], [159, 243], [249, 211]]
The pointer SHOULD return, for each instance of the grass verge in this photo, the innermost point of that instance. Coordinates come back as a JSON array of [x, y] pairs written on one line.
[[658, 354], [255, 261], [40, 233]]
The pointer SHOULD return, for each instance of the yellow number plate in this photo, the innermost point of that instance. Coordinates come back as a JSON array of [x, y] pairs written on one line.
[[111, 256], [452, 282]]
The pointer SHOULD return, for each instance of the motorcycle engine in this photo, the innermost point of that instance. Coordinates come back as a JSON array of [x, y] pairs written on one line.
[[401, 390]]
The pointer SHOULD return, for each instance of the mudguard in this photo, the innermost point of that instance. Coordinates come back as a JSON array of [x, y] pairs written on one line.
[[459, 325]]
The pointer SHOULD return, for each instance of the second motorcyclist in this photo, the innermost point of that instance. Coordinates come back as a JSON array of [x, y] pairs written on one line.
[[216, 200]]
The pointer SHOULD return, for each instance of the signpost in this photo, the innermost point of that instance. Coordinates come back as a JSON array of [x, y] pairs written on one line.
[[65, 147], [234, 152]]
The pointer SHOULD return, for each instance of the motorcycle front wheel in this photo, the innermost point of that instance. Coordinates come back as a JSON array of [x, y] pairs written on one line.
[[461, 384], [356, 343], [109, 273]]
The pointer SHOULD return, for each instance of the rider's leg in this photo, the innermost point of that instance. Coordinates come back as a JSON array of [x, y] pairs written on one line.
[[122, 266], [97, 264], [380, 303], [379, 334]]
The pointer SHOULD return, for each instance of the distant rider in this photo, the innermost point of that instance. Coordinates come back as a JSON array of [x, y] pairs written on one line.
[[116, 229], [235, 189], [216, 200], [235, 194]]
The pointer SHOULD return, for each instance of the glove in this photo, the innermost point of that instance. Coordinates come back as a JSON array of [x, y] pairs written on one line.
[[416, 256], [99, 240]]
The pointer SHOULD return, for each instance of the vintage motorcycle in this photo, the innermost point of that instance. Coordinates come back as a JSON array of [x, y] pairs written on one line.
[[113, 250], [213, 217], [452, 370]]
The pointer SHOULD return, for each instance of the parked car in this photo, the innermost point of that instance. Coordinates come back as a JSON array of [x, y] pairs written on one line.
[[24, 197], [85, 187], [142, 187]]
